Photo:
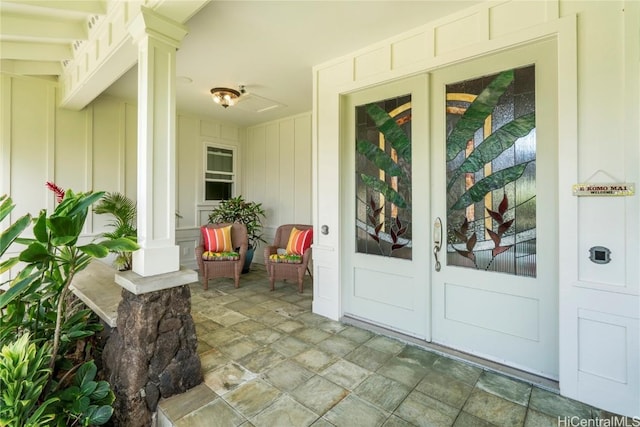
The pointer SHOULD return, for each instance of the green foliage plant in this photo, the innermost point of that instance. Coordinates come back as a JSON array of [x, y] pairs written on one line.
[[236, 209], [124, 212], [54, 381]]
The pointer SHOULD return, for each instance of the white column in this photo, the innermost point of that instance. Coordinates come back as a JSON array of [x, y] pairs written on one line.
[[157, 38]]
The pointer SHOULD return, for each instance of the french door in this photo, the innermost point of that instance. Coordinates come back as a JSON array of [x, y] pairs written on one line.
[[453, 237]]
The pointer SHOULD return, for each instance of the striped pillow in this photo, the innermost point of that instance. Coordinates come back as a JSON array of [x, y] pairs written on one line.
[[217, 239], [299, 241]]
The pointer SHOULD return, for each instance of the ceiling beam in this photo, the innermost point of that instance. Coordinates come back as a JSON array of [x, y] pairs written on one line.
[[84, 7], [30, 27], [35, 51], [31, 68]]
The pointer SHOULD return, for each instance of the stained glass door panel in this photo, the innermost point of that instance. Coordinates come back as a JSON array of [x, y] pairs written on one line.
[[491, 172], [383, 177]]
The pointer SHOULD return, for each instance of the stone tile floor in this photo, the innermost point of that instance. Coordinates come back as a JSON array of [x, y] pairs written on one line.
[[269, 361]]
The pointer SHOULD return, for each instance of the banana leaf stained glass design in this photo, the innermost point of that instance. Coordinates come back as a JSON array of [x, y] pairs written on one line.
[[491, 171], [383, 178]]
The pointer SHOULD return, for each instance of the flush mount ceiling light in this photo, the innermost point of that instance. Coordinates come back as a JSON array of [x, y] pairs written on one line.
[[226, 96]]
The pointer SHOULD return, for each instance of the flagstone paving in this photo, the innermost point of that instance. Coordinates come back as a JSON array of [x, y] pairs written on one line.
[[269, 361]]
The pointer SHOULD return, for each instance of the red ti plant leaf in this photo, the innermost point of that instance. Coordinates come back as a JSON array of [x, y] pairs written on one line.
[[372, 204], [377, 211], [495, 237], [378, 228], [402, 231], [464, 227], [472, 242], [496, 216], [398, 223], [374, 237], [499, 249], [460, 236], [397, 246], [394, 236], [373, 219], [467, 254], [504, 227], [504, 204]]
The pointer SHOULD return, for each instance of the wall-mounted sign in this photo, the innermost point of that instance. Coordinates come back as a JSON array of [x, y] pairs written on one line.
[[608, 189]]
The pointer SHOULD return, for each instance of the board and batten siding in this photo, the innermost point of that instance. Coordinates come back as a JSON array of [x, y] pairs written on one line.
[[277, 172], [598, 69], [94, 149]]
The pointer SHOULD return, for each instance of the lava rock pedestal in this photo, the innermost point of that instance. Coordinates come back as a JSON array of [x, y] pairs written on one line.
[[152, 351]]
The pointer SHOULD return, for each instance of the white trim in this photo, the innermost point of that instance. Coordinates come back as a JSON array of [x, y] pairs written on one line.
[[235, 173]]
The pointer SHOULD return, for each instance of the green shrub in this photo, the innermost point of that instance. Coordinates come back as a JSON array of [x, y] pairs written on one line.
[[37, 305]]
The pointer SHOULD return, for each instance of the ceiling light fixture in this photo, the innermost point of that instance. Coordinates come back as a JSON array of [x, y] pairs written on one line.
[[225, 96]]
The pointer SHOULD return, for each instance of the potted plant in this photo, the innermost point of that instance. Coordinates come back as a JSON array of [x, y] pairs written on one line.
[[251, 214]]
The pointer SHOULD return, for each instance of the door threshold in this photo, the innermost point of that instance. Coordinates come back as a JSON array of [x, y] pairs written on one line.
[[518, 374]]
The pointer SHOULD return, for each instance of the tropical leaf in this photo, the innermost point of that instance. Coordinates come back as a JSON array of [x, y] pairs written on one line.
[[120, 244], [398, 246], [504, 204], [476, 113], [494, 145], [495, 237], [389, 193], [380, 158], [20, 284], [40, 227], [460, 236], [471, 243], [374, 237], [6, 206], [96, 251], [7, 264], [378, 228], [504, 227], [36, 252], [499, 249], [464, 227], [391, 131], [496, 216], [8, 236], [466, 254], [494, 181]]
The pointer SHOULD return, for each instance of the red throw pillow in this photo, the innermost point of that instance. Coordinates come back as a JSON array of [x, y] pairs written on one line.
[[299, 241], [217, 239]]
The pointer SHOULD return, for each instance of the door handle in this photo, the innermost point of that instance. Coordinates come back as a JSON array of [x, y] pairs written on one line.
[[437, 241]]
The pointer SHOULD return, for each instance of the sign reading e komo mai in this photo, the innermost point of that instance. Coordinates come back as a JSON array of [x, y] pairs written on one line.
[[608, 189]]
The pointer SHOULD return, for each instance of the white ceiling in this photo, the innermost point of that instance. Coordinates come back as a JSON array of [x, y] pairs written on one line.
[[269, 46]]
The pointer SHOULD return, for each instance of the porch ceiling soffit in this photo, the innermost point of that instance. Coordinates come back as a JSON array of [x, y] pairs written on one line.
[[83, 44]]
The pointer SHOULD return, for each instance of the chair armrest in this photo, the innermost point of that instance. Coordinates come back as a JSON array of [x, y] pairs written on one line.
[[306, 256], [243, 250], [199, 250], [269, 250]]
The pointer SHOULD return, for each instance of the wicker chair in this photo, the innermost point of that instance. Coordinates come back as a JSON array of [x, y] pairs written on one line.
[[284, 271], [231, 268]]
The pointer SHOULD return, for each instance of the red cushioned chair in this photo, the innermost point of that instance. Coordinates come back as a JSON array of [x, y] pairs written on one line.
[[282, 270], [230, 268]]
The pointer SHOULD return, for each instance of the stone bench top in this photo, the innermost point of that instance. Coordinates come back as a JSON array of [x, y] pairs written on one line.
[[100, 286], [97, 288]]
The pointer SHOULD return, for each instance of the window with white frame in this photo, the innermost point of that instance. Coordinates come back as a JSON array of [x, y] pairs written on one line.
[[219, 174]]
